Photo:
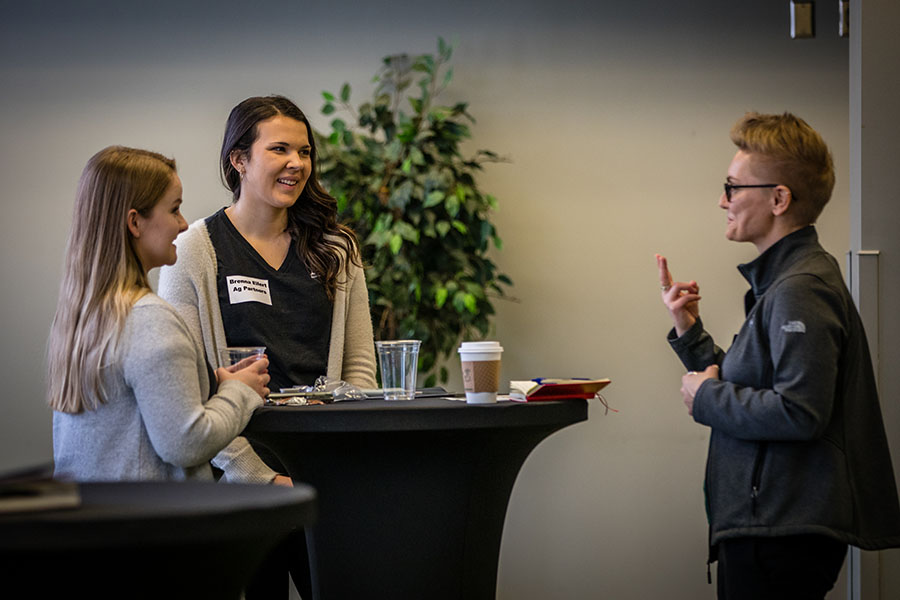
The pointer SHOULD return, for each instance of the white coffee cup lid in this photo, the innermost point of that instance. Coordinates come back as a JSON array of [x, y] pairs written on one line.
[[480, 347]]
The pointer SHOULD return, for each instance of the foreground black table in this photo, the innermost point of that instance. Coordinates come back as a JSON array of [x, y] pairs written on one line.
[[149, 540], [413, 494]]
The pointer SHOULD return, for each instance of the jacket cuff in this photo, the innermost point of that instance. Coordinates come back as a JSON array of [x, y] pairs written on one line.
[[688, 338]]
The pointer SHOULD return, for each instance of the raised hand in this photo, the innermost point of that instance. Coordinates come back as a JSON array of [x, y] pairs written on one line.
[[681, 299]]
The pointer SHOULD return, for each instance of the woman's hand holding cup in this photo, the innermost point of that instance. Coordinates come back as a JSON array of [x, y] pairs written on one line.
[[252, 371], [248, 364]]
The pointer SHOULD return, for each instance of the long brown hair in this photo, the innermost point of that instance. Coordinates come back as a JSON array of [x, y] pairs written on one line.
[[103, 276], [325, 246]]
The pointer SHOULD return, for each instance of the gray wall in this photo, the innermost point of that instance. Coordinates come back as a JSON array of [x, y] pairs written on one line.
[[874, 214], [615, 116]]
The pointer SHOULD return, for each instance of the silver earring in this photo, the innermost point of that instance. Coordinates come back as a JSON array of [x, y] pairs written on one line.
[[241, 174]]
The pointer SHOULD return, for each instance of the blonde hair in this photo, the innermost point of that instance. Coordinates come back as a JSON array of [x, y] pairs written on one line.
[[103, 276], [794, 154]]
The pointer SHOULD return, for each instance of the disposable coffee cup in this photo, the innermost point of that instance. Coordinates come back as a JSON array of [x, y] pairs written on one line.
[[480, 371], [235, 354], [399, 361]]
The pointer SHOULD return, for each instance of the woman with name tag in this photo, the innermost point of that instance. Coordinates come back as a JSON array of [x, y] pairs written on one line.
[[274, 269], [132, 393]]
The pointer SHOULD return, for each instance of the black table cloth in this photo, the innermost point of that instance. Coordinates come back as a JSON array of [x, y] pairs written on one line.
[[149, 540], [412, 494]]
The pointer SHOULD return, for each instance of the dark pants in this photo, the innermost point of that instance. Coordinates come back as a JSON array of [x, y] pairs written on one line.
[[291, 555], [801, 567], [271, 580]]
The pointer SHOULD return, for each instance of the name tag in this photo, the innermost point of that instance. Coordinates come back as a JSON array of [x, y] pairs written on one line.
[[248, 289]]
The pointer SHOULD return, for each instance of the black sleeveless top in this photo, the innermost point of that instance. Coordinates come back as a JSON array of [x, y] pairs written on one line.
[[286, 309]]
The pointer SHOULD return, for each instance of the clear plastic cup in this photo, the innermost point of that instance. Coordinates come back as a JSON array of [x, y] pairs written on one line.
[[399, 360], [235, 354]]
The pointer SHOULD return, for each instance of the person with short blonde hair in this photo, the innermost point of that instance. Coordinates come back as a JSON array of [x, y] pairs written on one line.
[[793, 153], [798, 464], [129, 386]]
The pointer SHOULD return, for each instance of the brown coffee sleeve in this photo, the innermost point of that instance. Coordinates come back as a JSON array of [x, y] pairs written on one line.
[[481, 375]]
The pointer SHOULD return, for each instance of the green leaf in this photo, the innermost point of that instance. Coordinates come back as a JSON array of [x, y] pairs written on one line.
[[396, 243], [448, 76], [486, 231], [498, 243], [416, 156], [393, 150], [451, 203], [328, 96], [471, 303], [400, 195], [440, 296], [442, 228], [460, 227], [407, 231], [428, 61], [345, 92], [438, 114], [407, 165], [459, 301], [328, 109], [338, 125], [383, 223], [475, 289], [434, 198]]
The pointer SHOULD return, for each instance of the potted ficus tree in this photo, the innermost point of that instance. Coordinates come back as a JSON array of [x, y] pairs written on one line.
[[402, 183]]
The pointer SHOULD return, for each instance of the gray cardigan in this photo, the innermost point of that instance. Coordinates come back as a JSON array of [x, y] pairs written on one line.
[[157, 423], [798, 444], [190, 285]]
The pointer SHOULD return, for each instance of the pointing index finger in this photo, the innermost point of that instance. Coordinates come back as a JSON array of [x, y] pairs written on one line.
[[665, 278]]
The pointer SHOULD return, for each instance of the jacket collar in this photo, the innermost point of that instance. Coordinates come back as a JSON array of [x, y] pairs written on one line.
[[762, 271]]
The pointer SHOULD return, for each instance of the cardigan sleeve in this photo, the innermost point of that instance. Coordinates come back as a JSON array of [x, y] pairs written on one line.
[[189, 285], [161, 365], [358, 366]]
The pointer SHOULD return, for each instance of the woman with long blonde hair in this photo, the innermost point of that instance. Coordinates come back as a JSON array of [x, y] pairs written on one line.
[[129, 385]]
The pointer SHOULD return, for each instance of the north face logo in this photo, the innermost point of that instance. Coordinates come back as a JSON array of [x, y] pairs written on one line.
[[794, 327]]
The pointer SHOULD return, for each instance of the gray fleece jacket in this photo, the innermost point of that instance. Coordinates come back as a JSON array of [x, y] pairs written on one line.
[[797, 443], [157, 423]]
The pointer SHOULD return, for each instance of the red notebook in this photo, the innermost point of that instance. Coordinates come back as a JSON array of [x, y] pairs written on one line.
[[555, 389]]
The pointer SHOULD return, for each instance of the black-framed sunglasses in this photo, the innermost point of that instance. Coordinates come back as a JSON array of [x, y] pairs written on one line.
[[730, 187]]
